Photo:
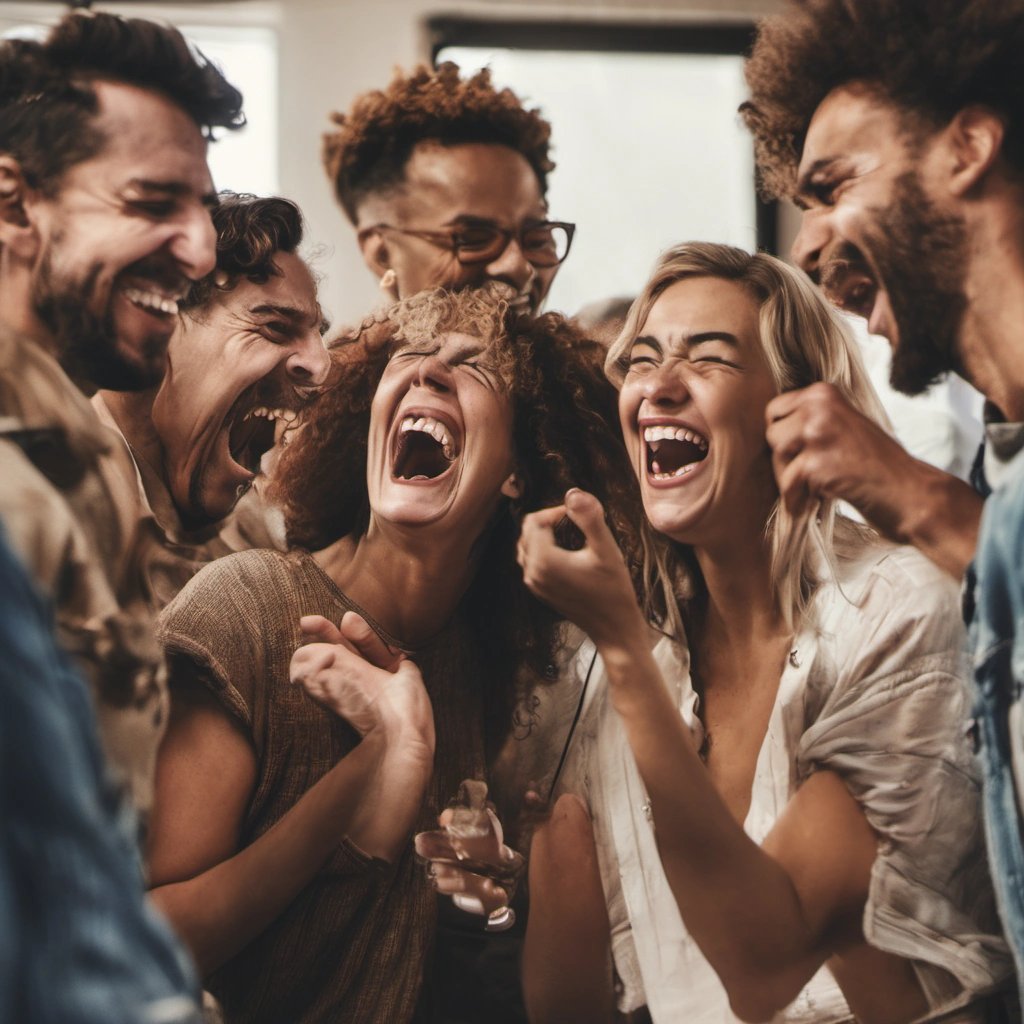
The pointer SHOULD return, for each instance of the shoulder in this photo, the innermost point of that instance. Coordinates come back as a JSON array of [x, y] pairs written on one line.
[[246, 585], [889, 594]]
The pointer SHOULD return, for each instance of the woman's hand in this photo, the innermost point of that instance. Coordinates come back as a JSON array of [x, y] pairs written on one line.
[[391, 702], [590, 587]]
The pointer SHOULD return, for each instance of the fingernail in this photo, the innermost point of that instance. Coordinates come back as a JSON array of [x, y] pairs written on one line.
[[573, 497]]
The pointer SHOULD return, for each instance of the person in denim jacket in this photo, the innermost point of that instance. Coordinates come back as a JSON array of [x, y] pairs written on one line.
[[896, 126]]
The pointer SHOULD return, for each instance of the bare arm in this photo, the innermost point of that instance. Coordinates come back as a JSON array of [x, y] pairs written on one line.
[[567, 954], [220, 896], [765, 917], [823, 448]]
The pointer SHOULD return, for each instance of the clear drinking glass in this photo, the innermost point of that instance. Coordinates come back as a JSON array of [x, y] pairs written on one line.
[[473, 839]]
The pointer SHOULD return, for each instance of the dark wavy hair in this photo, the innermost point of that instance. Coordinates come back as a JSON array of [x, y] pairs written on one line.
[[48, 106], [371, 145], [565, 434], [930, 58], [250, 231]]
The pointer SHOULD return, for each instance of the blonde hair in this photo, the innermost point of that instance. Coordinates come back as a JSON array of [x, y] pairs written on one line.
[[804, 341]]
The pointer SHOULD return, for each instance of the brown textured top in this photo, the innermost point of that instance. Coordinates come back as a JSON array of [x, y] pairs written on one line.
[[353, 945]]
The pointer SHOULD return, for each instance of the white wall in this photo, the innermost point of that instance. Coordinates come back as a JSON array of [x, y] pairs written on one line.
[[331, 50]]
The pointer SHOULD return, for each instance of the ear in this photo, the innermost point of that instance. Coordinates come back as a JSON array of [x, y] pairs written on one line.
[[512, 488], [375, 250], [975, 138], [17, 234]]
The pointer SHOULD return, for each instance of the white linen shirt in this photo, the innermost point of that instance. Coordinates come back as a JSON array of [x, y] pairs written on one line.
[[875, 690]]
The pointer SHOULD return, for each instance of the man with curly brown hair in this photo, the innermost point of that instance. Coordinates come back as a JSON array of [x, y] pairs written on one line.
[[445, 179], [898, 128], [247, 353]]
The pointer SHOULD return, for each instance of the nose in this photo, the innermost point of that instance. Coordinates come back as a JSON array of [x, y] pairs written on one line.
[[308, 362], [512, 267], [811, 240], [433, 373], [194, 245], [665, 385]]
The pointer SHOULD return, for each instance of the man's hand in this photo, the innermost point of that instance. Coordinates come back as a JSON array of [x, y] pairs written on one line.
[[824, 448], [590, 587]]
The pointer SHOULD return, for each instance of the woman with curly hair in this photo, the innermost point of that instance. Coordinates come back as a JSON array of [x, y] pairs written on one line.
[[281, 847], [784, 804]]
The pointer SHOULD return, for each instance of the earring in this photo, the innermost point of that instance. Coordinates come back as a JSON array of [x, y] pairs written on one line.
[[388, 279]]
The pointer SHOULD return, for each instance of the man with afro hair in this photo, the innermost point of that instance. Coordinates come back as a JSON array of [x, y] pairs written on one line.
[[445, 179], [898, 128]]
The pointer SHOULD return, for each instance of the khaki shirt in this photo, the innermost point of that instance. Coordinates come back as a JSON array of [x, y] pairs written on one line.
[[63, 505]]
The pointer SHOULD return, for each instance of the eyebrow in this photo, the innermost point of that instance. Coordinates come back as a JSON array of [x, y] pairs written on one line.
[[174, 188], [690, 340], [803, 184], [288, 313]]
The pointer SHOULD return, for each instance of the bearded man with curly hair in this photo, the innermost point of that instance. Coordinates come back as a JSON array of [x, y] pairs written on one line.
[[898, 128], [445, 179]]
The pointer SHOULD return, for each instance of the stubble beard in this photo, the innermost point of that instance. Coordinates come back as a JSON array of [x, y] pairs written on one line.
[[922, 261], [88, 344]]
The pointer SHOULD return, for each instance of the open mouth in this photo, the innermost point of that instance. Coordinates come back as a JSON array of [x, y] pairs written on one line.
[[672, 452], [424, 449], [252, 433]]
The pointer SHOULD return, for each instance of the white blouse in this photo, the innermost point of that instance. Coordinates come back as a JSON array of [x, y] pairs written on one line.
[[876, 691]]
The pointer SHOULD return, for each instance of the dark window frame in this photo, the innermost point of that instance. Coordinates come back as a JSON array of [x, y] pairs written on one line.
[[608, 37]]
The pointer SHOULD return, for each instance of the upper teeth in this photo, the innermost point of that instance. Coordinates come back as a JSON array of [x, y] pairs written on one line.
[[287, 415], [151, 300], [435, 428], [667, 433]]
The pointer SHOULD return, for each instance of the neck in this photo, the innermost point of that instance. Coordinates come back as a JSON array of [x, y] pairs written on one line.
[[132, 412], [410, 587], [992, 333], [741, 611]]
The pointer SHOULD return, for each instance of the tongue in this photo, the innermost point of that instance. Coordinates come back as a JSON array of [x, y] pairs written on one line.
[[668, 456]]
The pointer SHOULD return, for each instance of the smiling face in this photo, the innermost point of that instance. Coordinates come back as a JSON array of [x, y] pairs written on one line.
[[440, 441], [235, 369], [878, 242], [120, 239], [692, 413], [457, 187]]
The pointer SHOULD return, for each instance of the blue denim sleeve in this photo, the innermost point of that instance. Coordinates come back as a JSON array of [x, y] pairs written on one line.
[[79, 943], [996, 620]]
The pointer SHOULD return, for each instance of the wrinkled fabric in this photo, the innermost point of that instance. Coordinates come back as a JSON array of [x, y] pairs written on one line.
[[65, 506], [875, 690], [79, 943], [994, 598]]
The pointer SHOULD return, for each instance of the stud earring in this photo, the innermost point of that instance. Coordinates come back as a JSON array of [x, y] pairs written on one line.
[[388, 279]]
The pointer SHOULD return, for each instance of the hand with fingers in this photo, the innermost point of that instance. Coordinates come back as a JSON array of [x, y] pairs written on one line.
[[350, 671], [468, 859], [822, 447], [590, 586]]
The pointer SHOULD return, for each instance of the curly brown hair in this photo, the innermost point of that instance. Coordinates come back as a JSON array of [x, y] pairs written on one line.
[[564, 435], [250, 231], [928, 57], [372, 143]]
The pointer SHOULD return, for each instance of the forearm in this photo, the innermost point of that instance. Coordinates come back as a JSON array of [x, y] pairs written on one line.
[[940, 516], [567, 952], [219, 911], [738, 903]]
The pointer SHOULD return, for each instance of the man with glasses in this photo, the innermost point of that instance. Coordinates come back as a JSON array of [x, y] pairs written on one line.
[[445, 180]]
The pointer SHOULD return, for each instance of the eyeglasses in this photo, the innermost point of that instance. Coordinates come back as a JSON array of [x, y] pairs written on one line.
[[543, 243]]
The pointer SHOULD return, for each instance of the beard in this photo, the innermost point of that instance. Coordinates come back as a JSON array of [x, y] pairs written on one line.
[[88, 344], [922, 260]]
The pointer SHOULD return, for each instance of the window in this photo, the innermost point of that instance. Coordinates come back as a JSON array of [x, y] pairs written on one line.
[[649, 147]]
